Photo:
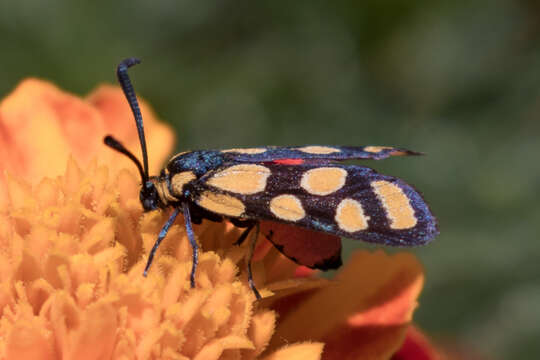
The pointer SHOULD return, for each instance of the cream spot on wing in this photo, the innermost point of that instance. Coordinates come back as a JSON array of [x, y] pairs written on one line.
[[319, 150], [179, 180], [323, 180], [221, 204], [376, 149], [287, 207], [350, 216], [243, 179], [249, 151], [396, 203]]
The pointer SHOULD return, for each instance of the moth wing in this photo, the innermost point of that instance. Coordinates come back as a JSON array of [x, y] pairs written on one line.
[[306, 154], [306, 247], [341, 200]]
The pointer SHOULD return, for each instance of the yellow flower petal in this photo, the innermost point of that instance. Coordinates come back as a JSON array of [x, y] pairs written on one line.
[[216, 348], [64, 259], [261, 331], [27, 337], [303, 351]]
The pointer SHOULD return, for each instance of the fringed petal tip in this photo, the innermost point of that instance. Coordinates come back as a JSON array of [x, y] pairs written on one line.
[[72, 266]]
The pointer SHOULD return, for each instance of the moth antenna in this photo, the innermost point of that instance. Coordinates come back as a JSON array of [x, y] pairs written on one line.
[[117, 145], [129, 92]]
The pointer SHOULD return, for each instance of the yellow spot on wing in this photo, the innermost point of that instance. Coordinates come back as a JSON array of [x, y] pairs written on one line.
[[241, 179], [246, 151], [396, 203], [323, 180], [179, 180], [221, 204], [319, 150], [287, 207], [376, 149], [350, 216]]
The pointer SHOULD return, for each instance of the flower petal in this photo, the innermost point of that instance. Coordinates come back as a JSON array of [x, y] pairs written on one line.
[[416, 347], [261, 331], [364, 312], [117, 120], [303, 351], [215, 349], [41, 126]]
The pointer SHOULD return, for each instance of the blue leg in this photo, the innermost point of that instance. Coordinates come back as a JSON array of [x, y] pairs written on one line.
[[161, 236], [192, 241], [251, 251]]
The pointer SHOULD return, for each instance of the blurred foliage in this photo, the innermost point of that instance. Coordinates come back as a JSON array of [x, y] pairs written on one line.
[[459, 81]]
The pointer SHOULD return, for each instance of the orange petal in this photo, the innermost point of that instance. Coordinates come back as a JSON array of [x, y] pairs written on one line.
[[117, 119], [260, 331], [87, 333], [303, 351], [28, 338], [364, 313], [416, 347], [215, 349], [41, 126]]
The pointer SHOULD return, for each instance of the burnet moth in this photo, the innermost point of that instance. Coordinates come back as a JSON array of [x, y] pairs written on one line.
[[301, 198]]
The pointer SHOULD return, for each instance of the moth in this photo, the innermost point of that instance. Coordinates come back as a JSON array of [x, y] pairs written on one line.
[[302, 198]]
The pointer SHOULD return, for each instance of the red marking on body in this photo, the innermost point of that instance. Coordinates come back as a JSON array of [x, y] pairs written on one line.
[[289, 161]]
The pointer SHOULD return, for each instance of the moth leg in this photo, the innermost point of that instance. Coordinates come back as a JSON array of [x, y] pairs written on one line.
[[161, 236], [192, 241], [244, 234], [250, 256]]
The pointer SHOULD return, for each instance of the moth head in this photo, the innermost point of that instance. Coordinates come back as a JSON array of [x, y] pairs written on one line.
[[149, 196]]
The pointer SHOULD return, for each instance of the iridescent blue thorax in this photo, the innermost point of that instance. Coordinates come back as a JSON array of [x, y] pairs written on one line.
[[199, 162]]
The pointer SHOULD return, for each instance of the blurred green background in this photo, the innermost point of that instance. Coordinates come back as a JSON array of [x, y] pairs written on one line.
[[459, 81]]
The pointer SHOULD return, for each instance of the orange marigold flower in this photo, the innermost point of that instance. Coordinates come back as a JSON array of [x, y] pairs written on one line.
[[72, 286], [73, 246], [41, 126]]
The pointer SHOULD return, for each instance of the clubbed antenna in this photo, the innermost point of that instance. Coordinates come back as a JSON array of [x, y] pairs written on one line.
[[116, 145], [129, 92]]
